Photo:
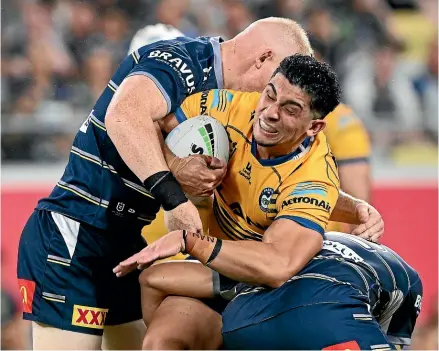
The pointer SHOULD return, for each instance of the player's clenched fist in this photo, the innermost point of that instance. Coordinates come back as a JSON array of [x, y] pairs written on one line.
[[198, 175]]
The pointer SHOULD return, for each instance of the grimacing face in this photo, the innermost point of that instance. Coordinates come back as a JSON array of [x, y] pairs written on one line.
[[283, 115]]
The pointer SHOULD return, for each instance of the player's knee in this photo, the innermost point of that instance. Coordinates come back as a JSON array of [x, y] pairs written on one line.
[[149, 278], [157, 342]]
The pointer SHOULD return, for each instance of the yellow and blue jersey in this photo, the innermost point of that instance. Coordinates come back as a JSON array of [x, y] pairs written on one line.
[[302, 186], [347, 136], [97, 187]]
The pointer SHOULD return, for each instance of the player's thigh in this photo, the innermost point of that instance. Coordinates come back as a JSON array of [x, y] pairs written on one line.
[[127, 336], [45, 337], [323, 326], [184, 323]]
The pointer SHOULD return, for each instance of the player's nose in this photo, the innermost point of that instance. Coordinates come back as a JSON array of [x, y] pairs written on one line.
[[271, 113]]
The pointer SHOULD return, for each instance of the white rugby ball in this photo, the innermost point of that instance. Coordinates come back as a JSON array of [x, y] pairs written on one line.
[[201, 135]]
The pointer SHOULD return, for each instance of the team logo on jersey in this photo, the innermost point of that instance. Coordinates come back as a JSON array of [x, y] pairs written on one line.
[[89, 317], [220, 99], [265, 198], [309, 188], [27, 291]]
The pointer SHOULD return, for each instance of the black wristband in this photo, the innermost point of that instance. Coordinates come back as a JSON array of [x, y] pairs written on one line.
[[216, 250], [165, 189]]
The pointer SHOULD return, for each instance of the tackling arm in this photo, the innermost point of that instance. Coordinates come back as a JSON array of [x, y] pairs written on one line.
[[345, 210], [130, 125], [287, 247], [355, 179]]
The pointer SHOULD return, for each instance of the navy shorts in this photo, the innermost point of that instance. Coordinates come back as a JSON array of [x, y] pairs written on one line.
[[65, 274], [303, 314]]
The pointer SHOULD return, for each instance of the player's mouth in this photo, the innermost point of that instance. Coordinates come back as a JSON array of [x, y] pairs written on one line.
[[268, 130]]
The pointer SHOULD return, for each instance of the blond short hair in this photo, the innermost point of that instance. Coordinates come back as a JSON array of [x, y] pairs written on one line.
[[293, 32]]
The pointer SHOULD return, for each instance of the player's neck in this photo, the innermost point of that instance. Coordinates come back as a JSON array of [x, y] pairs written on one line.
[[270, 152]]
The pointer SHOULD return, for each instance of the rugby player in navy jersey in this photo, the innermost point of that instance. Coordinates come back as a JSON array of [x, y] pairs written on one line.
[[117, 178], [353, 295]]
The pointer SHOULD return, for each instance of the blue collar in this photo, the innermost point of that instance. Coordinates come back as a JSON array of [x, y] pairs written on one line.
[[281, 159], [218, 62]]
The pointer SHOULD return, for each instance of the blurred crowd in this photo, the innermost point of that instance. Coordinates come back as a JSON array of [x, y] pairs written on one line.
[[58, 55]]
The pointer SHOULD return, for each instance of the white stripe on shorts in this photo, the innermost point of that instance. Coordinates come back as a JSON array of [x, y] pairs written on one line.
[[69, 230]]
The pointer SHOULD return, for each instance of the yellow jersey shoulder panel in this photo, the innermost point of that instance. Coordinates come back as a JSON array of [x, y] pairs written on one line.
[[347, 136], [229, 107]]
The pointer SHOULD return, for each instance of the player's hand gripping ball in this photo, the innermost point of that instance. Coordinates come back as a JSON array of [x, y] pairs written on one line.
[[201, 145]]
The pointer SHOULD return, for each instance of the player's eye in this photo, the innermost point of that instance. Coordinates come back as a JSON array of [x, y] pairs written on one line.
[[271, 96], [290, 111]]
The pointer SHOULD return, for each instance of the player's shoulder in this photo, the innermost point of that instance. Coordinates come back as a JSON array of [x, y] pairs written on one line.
[[242, 103], [234, 103], [319, 165], [180, 45], [342, 117], [319, 149], [246, 100]]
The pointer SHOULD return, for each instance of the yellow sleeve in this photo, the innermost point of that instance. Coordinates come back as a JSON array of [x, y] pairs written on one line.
[[308, 203], [216, 103], [347, 137]]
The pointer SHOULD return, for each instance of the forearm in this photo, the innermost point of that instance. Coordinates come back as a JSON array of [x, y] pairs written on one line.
[[137, 142], [355, 179], [345, 209], [245, 261], [130, 125]]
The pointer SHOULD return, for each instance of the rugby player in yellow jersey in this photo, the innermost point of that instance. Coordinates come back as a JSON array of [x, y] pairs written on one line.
[[350, 144], [274, 203]]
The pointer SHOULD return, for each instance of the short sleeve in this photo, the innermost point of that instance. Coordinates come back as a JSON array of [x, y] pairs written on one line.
[[171, 69], [348, 139], [308, 203]]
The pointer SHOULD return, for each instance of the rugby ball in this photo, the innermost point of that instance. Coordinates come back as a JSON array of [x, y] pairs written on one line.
[[201, 135]]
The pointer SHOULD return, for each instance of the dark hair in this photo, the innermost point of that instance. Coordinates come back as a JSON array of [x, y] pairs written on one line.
[[316, 78]]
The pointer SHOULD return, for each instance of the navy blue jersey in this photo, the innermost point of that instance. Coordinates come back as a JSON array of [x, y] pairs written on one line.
[[97, 187], [395, 294], [382, 279]]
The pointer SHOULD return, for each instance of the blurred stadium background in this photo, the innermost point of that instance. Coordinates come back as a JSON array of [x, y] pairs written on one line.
[[57, 56]]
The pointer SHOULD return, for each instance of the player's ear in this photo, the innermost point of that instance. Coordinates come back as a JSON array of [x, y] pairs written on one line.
[[316, 126], [263, 58]]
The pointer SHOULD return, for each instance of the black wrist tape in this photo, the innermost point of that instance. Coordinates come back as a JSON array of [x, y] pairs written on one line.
[[216, 250], [165, 189]]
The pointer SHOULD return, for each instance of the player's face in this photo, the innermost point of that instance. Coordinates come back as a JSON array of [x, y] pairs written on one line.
[[283, 115]]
